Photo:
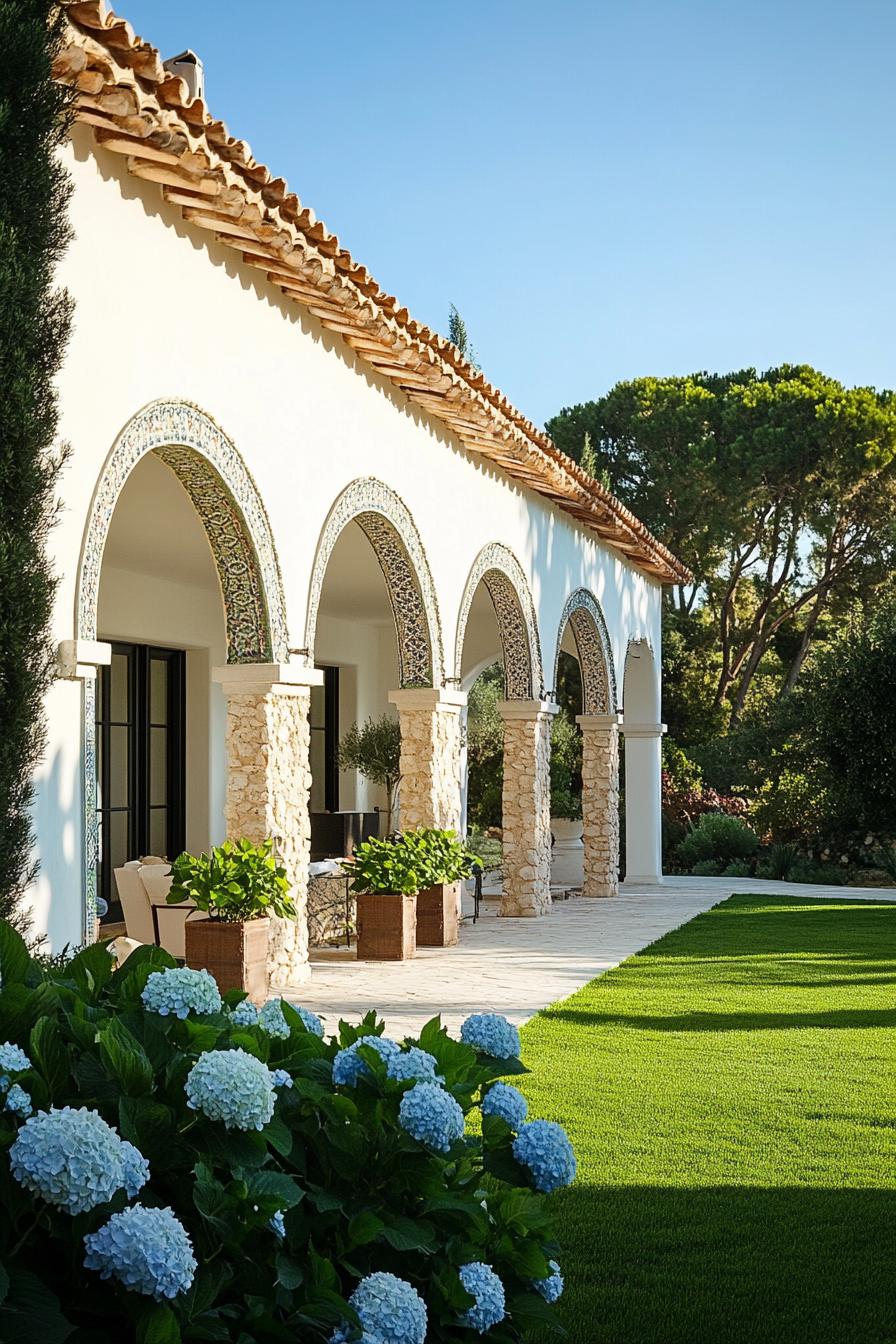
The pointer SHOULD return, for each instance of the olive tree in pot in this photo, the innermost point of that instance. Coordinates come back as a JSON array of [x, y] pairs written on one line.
[[386, 876], [374, 750], [446, 861], [239, 885]]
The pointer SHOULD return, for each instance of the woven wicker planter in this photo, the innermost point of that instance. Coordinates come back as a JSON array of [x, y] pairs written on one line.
[[235, 954], [437, 915], [387, 927]]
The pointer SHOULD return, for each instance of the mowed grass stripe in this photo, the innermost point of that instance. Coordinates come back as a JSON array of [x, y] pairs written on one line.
[[731, 1096]]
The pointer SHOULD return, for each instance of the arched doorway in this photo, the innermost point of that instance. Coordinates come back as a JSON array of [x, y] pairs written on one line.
[[179, 571], [373, 630], [497, 622], [643, 764], [583, 636]]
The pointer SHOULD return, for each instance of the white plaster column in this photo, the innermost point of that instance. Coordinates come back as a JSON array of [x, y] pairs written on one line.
[[526, 806], [430, 721], [78, 660], [268, 785], [600, 802], [643, 810]]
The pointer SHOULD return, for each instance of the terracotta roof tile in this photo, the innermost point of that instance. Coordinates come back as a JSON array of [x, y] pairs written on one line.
[[144, 112]]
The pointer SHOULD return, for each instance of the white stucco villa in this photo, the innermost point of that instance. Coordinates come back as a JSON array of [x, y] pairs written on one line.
[[290, 506]]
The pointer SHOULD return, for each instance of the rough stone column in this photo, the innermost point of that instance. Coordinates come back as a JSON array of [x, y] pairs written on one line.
[[268, 784], [600, 802], [430, 720], [643, 805], [526, 806]]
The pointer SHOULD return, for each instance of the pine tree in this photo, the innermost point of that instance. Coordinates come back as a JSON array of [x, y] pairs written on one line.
[[457, 334], [34, 323]]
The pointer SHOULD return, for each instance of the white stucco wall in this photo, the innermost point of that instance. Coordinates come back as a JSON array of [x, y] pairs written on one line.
[[161, 312]]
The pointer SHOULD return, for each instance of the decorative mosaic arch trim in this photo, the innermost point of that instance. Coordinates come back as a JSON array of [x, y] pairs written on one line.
[[386, 522], [507, 586], [229, 506], [582, 612]]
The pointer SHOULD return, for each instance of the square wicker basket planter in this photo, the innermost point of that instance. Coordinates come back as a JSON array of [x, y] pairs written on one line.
[[387, 927], [437, 915], [235, 954]]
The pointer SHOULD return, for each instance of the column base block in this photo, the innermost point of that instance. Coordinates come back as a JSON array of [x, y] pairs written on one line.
[[643, 880]]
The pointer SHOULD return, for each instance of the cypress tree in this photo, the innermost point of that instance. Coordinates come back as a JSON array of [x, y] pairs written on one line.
[[34, 323]]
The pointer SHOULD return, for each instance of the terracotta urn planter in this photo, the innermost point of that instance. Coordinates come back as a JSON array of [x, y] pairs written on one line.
[[437, 915], [387, 927], [236, 954]]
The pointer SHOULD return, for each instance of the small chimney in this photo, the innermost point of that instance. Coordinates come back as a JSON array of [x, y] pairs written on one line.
[[189, 68]]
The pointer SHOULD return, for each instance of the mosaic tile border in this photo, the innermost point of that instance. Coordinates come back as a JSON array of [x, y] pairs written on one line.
[[583, 613], [508, 588], [387, 523]]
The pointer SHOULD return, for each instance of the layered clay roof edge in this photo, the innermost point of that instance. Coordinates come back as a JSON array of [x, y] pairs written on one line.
[[140, 110]]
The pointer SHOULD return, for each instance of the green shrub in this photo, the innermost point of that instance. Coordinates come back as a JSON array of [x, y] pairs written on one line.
[[566, 769], [782, 862], [739, 868], [717, 836], [283, 1219], [707, 868], [409, 861], [233, 882]]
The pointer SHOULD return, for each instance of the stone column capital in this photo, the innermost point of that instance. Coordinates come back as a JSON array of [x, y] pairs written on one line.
[[266, 678], [78, 659], [598, 723], [642, 729], [527, 709], [429, 698]]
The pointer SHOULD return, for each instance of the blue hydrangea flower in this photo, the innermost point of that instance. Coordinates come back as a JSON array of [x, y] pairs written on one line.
[[311, 1020], [431, 1116], [271, 1019], [74, 1160], [277, 1225], [245, 1014], [491, 1034], [552, 1287], [179, 991], [12, 1060], [391, 1312], [414, 1065], [280, 1078], [545, 1149], [147, 1250], [18, 1101], [348, 1066], [232, 1086], [482, 1282], [505, 1101]]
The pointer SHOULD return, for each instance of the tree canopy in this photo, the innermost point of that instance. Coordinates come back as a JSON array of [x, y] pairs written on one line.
[[777, 489]]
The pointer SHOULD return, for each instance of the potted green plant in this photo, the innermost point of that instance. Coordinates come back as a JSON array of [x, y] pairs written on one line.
[[374, 750], [386, 876], [446, 862], [239, 885]]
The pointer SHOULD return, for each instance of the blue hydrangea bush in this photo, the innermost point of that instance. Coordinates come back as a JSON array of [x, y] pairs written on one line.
[[177, 1166]]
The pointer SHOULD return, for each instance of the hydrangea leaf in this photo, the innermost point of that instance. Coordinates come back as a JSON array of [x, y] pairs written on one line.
[[15, 959], [158, 1325], [408, 1234], [275, 1188], [49, 1054], [125, 1058]]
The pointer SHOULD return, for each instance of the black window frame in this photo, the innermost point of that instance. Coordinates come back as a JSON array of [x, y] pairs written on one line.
[[330, 730], [139, 806]]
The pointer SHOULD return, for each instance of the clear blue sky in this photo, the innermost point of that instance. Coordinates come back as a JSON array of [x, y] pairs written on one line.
[[604, 189]]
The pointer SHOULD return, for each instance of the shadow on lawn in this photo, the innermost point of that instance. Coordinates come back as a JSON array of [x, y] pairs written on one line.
[[649, 1265], [838, 1018]]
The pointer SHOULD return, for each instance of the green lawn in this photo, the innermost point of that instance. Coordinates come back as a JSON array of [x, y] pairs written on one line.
[[731, 1095]]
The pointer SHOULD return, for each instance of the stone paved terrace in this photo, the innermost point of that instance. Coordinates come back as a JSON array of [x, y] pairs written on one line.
[[517, 966]]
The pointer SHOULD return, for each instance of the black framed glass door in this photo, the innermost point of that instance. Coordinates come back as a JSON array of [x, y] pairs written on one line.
[[324, 723], [141, 804]]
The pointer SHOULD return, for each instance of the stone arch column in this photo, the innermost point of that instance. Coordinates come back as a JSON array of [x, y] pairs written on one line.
[[599, 723], [429, 717], [229, 506], [527, 715]]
